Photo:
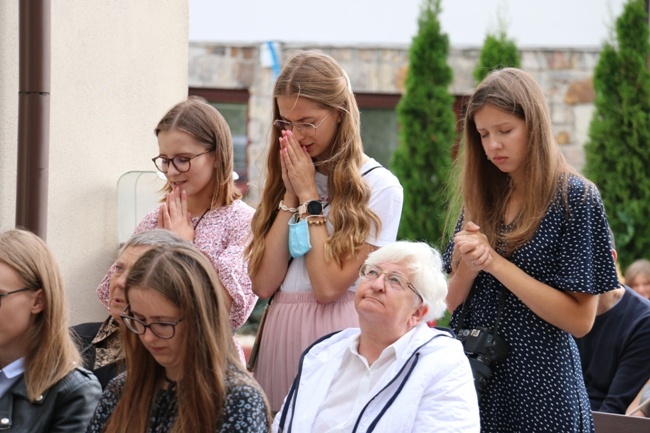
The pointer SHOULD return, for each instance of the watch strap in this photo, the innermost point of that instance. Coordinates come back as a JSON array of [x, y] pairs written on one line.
[[304, 208]]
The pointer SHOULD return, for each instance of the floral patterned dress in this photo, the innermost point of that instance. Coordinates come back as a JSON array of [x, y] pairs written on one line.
[[245, 409], [221, 235]]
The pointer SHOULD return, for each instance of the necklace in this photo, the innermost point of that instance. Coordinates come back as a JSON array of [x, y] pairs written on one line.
[[200, 218]]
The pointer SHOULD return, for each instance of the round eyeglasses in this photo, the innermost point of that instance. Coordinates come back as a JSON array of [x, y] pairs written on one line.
[[164, 330], [392, 279], [182, 164], [306, 129], [2, 295]]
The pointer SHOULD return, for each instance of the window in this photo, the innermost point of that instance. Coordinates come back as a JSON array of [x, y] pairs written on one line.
[[378, 125], [233, 106]]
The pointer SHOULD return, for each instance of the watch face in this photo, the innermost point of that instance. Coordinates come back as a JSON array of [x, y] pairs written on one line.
[[314, 207]]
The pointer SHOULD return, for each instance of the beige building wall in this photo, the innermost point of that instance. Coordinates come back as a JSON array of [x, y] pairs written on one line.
[[117, 66]]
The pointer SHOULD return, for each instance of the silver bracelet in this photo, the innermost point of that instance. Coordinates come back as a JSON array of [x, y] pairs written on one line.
[[285, 208]]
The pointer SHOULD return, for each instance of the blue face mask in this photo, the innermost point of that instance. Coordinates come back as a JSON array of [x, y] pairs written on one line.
[[298, 238]]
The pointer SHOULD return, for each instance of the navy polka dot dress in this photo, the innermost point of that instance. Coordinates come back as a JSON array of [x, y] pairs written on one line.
[[539, 386]]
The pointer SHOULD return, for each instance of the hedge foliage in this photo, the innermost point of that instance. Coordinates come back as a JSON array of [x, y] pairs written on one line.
[[618, 150], [498, 52], [422, 160]]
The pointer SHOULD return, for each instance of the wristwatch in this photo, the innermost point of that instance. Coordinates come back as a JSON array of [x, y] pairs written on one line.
[[311, 207]]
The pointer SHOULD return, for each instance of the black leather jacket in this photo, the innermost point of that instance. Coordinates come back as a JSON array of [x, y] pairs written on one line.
[[65, 407]]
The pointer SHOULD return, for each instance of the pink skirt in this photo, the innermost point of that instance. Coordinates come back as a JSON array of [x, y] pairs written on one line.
[[293, 322]]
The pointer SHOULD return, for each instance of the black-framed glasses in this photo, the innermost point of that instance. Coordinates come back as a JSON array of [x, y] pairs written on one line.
[[306, 129], [392, 279], [2, 295], [164, 330], [181, 163]]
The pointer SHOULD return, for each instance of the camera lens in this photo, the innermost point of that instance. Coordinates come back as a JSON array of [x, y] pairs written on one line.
[[481, 373]]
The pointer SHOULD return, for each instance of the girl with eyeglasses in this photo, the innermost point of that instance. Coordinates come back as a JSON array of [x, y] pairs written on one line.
[[43, 388], [202, 203], [325, 204], [182, 372]]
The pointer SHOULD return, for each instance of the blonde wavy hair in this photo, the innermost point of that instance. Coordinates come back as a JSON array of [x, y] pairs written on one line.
[[50, 351], [202, 121], [187, 279], [482, 189], [318, 77]]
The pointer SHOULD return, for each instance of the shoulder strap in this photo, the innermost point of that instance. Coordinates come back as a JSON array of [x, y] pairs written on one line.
[[371, 169], [362, 175], [463, 313]]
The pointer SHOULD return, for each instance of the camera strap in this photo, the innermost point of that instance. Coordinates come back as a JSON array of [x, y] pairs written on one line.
[[463, 313]]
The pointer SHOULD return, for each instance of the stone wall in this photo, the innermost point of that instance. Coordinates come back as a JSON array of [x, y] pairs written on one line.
[[564, 74]]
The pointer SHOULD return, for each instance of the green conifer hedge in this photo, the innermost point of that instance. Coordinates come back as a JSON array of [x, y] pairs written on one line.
[[422, 160], [618, 151]]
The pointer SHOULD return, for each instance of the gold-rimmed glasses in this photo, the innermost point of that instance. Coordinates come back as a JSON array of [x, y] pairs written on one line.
[[306, 129], [393, 280]]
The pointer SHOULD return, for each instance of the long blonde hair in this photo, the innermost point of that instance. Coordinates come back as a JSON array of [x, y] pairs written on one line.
[[202, 121], [187, 279], [51, 353], [483, 190], [318, 77]]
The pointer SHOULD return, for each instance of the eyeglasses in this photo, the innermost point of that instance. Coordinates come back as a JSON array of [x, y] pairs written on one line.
[[306, 129], [180, 163], [164, 330], [2, 295], [393, 280]]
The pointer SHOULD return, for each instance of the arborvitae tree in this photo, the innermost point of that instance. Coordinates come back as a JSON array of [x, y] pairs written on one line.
[[498, 51], [422, 160], [618, 150]]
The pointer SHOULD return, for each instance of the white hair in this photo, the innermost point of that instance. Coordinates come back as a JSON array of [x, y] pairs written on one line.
[[153, 238], [424, 266]]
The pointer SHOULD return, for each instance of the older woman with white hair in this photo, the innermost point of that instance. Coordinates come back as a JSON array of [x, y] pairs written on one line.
[[393, 373]]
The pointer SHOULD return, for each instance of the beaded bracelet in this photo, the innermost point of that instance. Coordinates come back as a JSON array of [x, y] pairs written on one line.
[[285, 208], [321, 220]]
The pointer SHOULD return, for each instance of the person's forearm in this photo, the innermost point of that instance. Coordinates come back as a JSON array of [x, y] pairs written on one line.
[[572, 312], [275, 259], [329, 280]]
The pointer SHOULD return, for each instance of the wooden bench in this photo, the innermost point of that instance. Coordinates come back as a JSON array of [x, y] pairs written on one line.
[[614, 423]]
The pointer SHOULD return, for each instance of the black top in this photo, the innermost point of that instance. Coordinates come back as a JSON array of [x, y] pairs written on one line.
[[616, 354]]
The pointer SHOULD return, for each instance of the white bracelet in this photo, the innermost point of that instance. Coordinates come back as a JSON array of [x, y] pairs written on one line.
[[285, 208]]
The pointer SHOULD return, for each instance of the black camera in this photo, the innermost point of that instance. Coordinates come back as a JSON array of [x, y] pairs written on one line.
[[483, 348]]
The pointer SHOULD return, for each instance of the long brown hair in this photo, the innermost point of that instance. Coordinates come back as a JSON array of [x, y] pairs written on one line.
[[204, 122], [483, 190], [318, 77], [185, 277], [51, 353]]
